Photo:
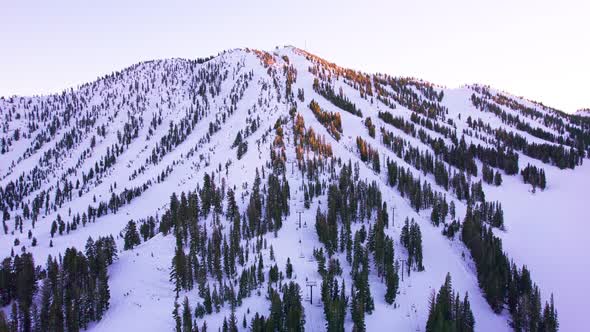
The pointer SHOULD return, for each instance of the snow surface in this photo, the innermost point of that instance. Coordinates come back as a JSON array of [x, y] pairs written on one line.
[[546, 230]]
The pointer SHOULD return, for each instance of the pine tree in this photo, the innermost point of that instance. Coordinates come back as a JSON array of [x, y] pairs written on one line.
[[293, 311], [233, 323], [498, 179], [357, 311], [178, 270], [467, 319], [14, 318], [176, 316], [259, 324], [35, 317], [275, 316], [4, 326], [254, 209], [53, 228], [289, 268], [187, 323], [392, 283], [411, 239], [550, 322], [447, 312], [207, 303], [132, 238], [206, 195], [103, 292]]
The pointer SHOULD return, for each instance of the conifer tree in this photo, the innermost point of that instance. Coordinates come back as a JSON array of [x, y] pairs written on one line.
[[447, 312], [187, 323], [131, 236], [103, 292], [176, 316], [293, 310], [206, 195], [3, 322], [289, 268], [392, 283], [233, 323], [207, 303]]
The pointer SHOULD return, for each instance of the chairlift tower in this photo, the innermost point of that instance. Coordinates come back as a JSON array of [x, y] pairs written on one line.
[[299, 212], [311, 285]]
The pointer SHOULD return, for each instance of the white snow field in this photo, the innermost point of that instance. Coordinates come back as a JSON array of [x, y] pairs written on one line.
[[546, 230]]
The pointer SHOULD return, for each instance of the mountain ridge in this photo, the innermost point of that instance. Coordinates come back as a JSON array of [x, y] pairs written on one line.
[[274, 50]]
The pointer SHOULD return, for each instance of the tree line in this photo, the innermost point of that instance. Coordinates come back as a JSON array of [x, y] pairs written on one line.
[[73, 291]]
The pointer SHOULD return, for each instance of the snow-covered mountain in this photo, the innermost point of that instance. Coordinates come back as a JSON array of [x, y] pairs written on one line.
[[583, 112], [208, 173]]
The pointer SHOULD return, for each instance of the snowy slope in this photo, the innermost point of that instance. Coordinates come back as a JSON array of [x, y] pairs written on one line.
[[543, 230]]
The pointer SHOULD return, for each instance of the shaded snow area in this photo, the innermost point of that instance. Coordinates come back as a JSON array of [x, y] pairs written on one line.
[[173, 121], [548, 232]]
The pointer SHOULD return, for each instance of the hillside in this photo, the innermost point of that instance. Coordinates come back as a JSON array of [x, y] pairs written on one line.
[[211, 174]]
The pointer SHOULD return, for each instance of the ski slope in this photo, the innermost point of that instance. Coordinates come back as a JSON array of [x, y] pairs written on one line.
[[545, 230]]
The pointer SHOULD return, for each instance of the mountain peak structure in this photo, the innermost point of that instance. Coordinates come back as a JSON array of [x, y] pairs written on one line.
[[259, 190]]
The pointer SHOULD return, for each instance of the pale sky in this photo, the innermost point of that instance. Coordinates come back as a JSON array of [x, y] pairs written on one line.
[[537, 49]]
